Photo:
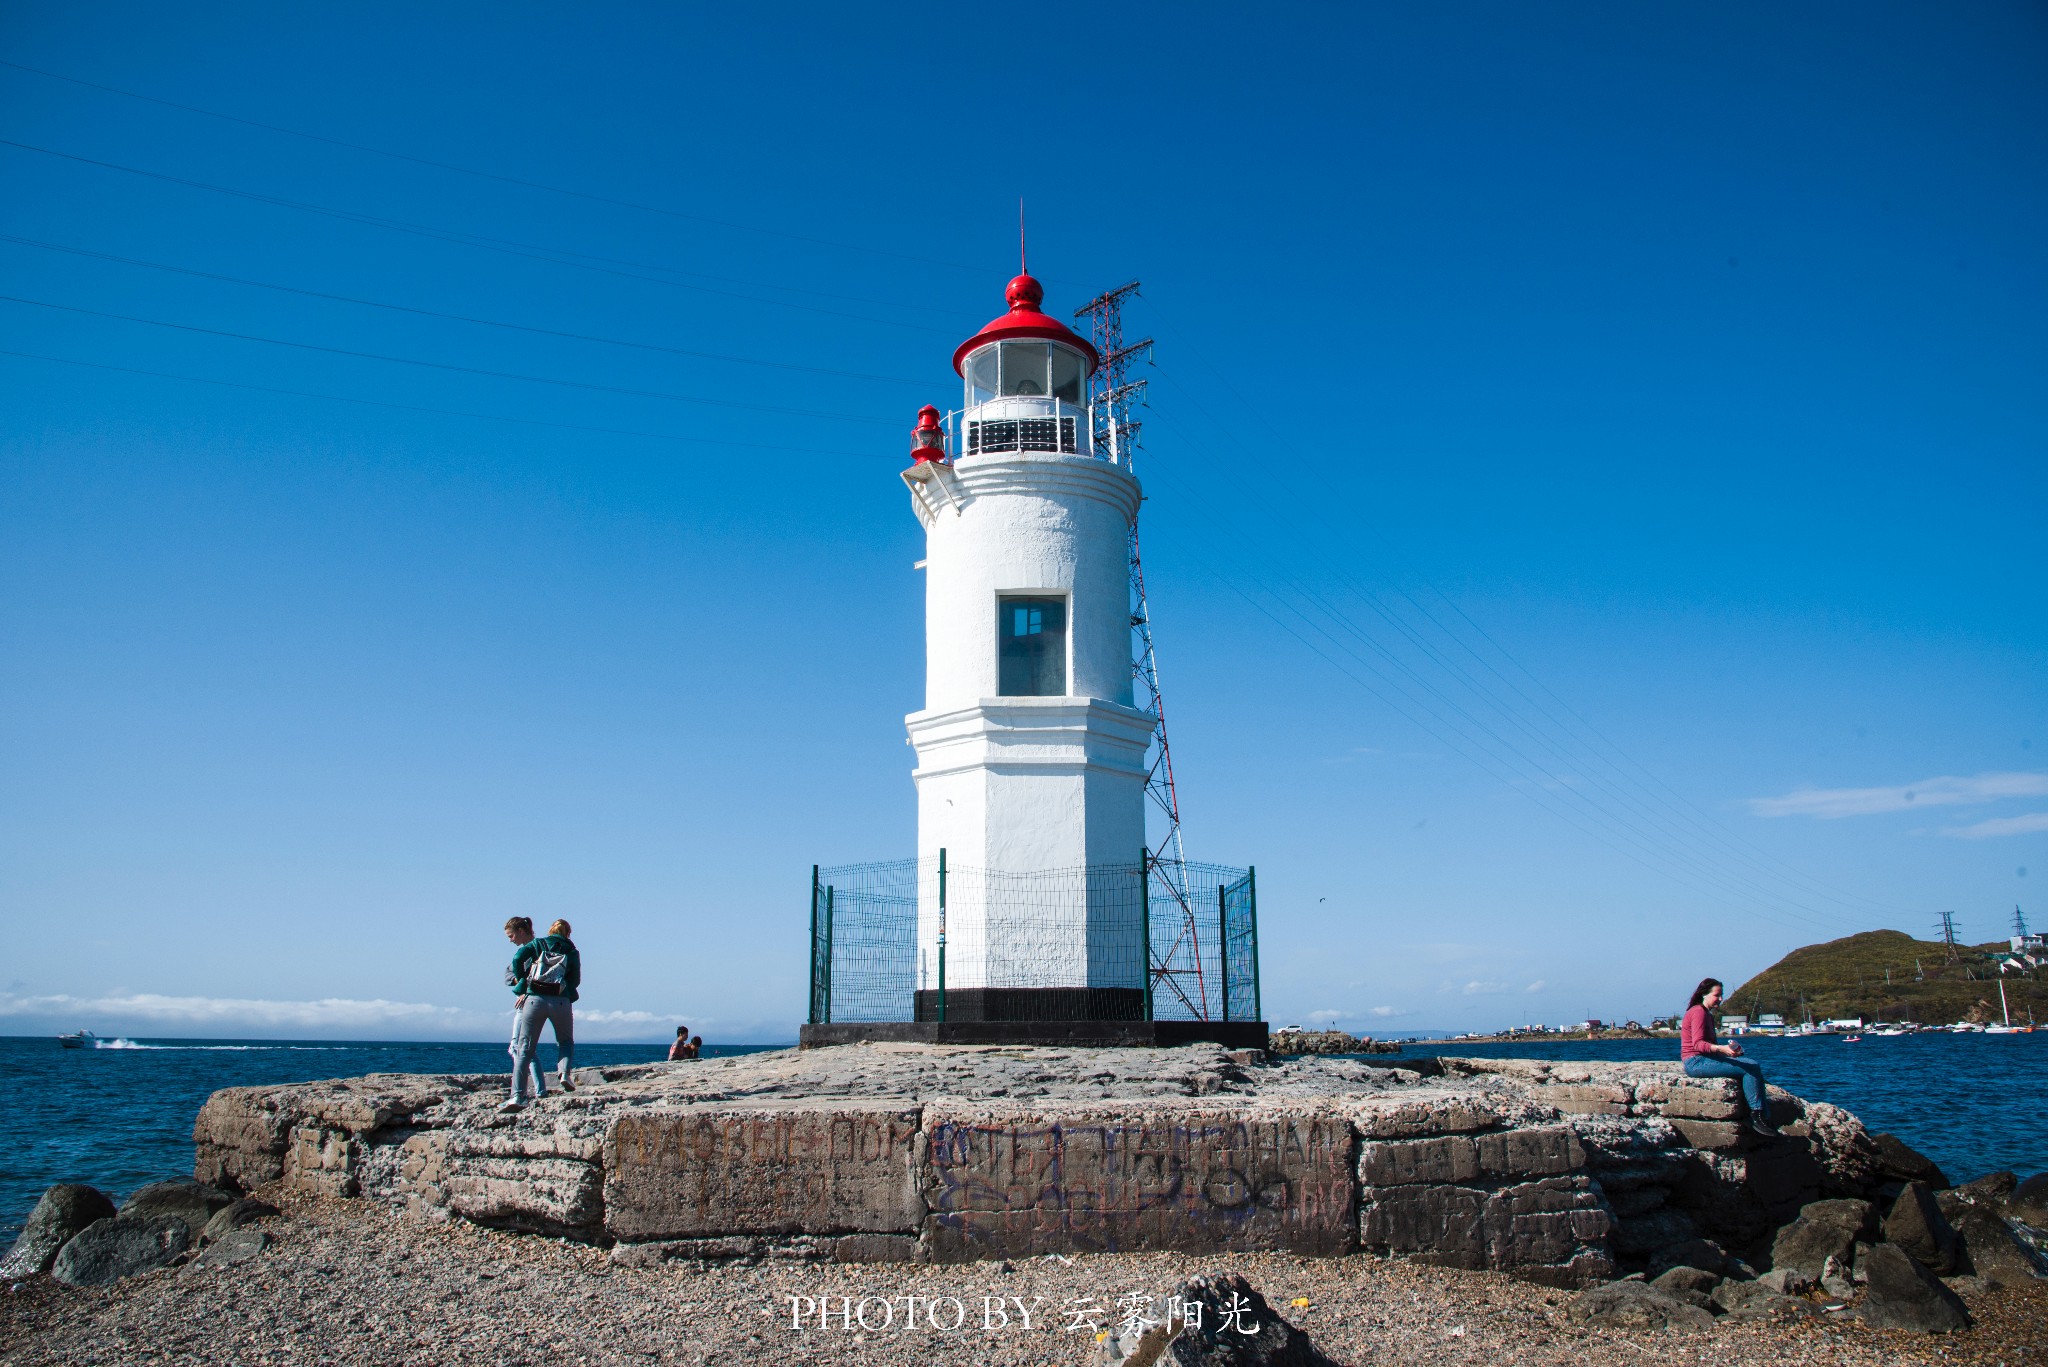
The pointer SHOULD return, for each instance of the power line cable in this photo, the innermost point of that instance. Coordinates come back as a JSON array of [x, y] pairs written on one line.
[[1570, 764], [490, 175], [444, 365], [457, 317], [1662, 806], [1235, 583], [1688, 861], [441, 412], [504, 246]]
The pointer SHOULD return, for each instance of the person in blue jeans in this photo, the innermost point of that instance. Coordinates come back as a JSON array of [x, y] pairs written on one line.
[[545, 975], [1703, 1055]]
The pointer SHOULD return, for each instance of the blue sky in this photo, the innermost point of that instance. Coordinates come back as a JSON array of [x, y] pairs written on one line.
[[1595, 469]]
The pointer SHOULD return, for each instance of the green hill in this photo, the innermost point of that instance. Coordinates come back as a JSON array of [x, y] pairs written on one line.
[[1889, 975]]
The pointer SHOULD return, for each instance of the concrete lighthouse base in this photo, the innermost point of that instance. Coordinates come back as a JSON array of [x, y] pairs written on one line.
[[1077, 1034]]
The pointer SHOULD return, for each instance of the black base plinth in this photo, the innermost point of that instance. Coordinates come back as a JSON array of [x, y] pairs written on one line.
[[977, 1004], [1073, 1033]]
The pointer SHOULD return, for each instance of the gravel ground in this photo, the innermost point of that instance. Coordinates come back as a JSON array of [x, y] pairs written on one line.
[[351, 1282]]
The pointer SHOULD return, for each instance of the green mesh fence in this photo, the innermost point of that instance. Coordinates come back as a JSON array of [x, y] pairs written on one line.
[[918, 940]]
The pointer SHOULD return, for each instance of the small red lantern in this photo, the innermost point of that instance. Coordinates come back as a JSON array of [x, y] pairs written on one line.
[[928, 439]]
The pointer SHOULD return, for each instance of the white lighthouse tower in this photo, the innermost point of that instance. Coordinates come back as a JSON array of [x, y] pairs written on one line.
[[1030, 755]]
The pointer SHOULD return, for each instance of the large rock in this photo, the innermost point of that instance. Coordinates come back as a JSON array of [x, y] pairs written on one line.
[[181, 1198], [1989, 1248], [1917, 1226], [246, 1211], [108, 1250], [1991, 1190], [64, 1211], [1901, 1162], [1859, 1217], [1636, 1306], [2029, 1201], [1805, 1246], [236, 1246], [1680, 1280], [1903, 1294], [1760, 1300], [1216, 1320], [1701, 1255]]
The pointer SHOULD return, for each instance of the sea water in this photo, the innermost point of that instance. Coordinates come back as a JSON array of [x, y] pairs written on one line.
[[120, 1115]]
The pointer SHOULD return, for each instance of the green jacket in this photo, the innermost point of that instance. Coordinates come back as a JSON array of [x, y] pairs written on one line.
[[531, 950]]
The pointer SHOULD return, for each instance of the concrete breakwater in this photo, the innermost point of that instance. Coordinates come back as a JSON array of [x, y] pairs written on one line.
[[1563, 1173]]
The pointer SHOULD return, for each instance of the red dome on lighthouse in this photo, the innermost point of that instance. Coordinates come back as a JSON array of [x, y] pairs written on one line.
[[1022, 321]]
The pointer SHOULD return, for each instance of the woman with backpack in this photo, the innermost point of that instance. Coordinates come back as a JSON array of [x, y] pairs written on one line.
[[545, 974]]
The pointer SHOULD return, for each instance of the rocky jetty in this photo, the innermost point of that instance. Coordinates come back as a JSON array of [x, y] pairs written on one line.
[[1563, 1173], [1292, 1041]]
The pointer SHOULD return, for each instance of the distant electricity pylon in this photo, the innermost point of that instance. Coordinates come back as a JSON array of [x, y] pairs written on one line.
[[2019, 923], [1113, 396], [1948, 933]]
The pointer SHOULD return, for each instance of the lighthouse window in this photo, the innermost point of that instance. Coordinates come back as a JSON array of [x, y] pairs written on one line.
[[1031, 636], [1025, 368], [981, 376], [1066, 376]]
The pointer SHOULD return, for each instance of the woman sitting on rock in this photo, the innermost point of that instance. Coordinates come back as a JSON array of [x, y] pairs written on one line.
[[1704, 1055]]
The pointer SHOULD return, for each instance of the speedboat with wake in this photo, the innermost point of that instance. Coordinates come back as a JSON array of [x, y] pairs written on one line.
[[79, 1039]]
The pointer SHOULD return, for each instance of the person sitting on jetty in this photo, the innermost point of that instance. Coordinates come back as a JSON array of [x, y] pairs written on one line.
[[1703, 1055], [546, 974], [696, 1046], [680, 1049]]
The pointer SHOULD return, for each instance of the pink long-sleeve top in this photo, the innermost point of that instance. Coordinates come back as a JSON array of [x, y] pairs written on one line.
[[1695, 1033]]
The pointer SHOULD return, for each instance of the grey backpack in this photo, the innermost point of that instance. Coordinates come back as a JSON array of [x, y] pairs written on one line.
[[547, 971]]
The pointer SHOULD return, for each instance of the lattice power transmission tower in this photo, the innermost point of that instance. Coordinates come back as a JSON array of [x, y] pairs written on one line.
[[1113, 396], [2019, 923], [1948, 933]]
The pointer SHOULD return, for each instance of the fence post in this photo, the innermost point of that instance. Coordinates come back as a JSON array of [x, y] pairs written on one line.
[[1223, 941], [942, 935], [1145, 922], [814, 945], [1251, 902], [828, 953]]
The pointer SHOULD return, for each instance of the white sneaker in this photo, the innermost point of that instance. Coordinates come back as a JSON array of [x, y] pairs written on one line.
[[511, 1106], [564, 1083]]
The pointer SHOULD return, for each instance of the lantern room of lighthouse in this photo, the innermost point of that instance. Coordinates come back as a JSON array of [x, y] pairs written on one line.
[[1030, 757]]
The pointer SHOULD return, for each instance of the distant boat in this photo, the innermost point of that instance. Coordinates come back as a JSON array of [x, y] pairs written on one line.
[[79, 1039], [1852, 1039], [2008, 1028]]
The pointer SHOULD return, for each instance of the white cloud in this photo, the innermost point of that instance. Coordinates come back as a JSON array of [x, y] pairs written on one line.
[[2029, 824], [1536, 986], [1388, 1011], [328, 1013], [1476, 988], [1326, 1016], [327, 1017], [635, 1018], [1831, 803]]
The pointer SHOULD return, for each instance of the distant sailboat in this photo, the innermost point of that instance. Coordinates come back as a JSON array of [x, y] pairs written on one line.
[[2008, 1028]]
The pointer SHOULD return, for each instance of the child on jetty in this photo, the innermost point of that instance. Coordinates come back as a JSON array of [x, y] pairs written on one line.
[[1704, 1055], [545, 973]]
